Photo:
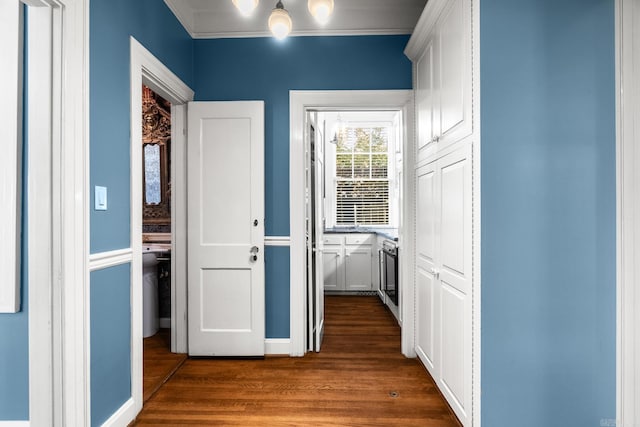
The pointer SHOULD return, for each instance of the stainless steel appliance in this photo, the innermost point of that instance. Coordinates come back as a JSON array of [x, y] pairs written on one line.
[[390, 270]]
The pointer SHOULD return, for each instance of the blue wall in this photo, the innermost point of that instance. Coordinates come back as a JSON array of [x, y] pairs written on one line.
[[155, 27], [14, 337], [112, 22], [548, 212], [110, 341], [14, 328], [266, 69]]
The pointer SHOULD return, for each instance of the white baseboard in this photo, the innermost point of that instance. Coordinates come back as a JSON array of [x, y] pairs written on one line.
[[165, 322], [276, 346], [14, 423], [122, 416]]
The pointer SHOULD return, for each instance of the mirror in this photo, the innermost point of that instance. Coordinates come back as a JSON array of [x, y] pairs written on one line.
[[156, 140]]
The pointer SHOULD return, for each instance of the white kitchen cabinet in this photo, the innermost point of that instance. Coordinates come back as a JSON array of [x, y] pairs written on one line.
[[348, 262], [444, 275], [441, 50], [332, 264], [357, 268]]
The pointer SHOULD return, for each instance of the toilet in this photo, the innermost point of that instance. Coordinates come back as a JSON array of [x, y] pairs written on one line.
[[150, 320]]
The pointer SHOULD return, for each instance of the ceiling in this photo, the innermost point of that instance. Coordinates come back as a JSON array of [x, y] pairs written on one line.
[[220, 18]]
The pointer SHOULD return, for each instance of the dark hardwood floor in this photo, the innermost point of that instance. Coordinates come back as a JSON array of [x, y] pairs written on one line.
[[360, 378]]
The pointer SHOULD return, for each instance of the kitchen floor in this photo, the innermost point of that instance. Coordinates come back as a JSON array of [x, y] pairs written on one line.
[[360, 378]]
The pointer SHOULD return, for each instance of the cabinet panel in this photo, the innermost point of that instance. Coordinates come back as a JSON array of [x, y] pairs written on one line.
[[359, 239], [455, 334], [425, 98], [452, 63], [425, 315], [426, 217], [332, 239], [453, 215], [357, 263], [333, 272]]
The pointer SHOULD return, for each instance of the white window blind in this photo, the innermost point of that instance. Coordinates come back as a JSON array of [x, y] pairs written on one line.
[[362, 178]]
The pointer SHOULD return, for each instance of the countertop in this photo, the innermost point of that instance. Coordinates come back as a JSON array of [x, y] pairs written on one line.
[[389, 233]]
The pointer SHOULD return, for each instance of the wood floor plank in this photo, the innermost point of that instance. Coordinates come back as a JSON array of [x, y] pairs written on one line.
[[158, 362], [360, 378]]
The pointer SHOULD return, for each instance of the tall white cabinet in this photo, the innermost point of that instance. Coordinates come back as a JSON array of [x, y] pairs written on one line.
[[441, 50]]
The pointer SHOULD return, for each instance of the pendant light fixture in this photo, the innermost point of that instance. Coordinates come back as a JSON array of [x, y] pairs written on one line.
[[321, 10], [246, 7], [280, 22]]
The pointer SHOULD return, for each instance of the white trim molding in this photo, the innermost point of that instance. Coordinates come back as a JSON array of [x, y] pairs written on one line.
[[14, 423], [147, 69], [59, 389], [276, 347], [122, 416], [11, 32], [108, 259], [299, 102], [277, 241], [40, 227], [628, 208]]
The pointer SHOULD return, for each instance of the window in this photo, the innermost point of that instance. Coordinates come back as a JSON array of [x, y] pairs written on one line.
[[362, 176]]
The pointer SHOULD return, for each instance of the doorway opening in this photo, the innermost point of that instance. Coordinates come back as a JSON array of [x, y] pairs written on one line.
[[159, 360], [353, 208], [147, 71]]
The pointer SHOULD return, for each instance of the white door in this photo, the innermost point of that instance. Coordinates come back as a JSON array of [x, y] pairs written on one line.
[[315, 224], [226, 228], [319, 236]]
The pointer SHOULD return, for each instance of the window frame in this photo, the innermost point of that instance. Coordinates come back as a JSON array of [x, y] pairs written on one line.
[[331, 178]]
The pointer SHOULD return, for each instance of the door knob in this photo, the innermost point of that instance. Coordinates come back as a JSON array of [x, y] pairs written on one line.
[[254, 253]]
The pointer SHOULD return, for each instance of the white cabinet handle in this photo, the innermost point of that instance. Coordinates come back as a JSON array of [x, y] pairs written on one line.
[[435, 272]]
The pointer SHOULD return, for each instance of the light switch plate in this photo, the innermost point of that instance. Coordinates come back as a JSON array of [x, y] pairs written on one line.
[[100, 198]]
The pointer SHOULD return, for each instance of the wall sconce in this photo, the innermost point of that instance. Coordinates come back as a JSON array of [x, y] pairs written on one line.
[[246, 7], [280, 22], [321, 10]]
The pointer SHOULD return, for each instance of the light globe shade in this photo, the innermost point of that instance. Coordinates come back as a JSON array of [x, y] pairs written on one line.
[[321, 10], [246, 7], [280, 23]]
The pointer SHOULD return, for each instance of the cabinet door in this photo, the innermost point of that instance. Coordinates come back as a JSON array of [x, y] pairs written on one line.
[[333, 271], [427, 101], [453, 65], [455, 279], [357, 268], [427, 243]]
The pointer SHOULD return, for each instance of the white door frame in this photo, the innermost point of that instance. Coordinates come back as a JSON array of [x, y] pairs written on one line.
[[628, 211], [299, 102], [147, 69], [58, 111]]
